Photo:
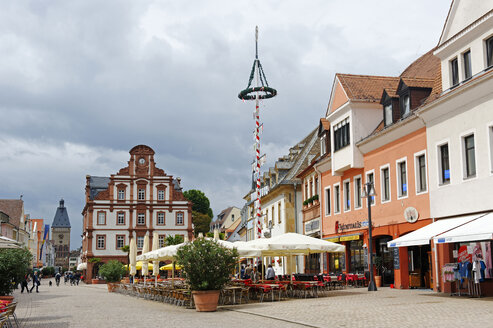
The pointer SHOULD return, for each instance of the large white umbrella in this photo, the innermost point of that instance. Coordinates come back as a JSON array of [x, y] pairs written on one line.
[[155, 269], [133, 257], [8, 243], [145, 249]]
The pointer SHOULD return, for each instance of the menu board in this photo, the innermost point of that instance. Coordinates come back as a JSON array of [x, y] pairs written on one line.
[[397, 265]]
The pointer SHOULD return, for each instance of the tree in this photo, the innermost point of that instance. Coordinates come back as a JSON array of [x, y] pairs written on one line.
[[201, 210], [14, 264], [173, 240]]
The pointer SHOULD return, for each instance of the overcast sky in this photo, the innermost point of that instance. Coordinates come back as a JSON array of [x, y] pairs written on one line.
[[82, 82]]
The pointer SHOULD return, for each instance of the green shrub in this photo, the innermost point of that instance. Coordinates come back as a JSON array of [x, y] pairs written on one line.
[[14, 264], [112, 271], [48, 271], [305, 202], [315, 197], [206, 264]]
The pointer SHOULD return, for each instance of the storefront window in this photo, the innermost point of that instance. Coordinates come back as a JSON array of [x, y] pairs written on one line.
[[337, 262], [357, 256]]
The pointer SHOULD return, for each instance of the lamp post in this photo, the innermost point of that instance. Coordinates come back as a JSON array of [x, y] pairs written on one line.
[[368, 193]]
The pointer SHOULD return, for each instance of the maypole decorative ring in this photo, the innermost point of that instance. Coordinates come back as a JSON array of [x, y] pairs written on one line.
[[266, 93]]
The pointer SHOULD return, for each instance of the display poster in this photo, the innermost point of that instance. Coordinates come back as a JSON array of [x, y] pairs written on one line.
[[397, 263], [481, 251]]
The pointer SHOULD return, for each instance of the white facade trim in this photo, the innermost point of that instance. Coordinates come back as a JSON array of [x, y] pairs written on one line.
[[367, 173], [382, 201], [398, 176], [328, 209], [356, 191], [344, 191], [337, 201], [462, 145], [417, 173]]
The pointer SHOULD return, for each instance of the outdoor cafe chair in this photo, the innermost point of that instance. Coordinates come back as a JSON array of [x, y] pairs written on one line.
[[9, 312]]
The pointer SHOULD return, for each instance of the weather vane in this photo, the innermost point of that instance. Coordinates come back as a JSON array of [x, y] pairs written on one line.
[[260, 91]]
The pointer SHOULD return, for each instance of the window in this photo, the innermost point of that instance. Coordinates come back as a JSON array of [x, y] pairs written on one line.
[[370, 178], [179, 218], [316, 186], [101, 218], [279, 213], [466, 58], [489, 52], [120, 218], [233, 217], [387, 113], [402, 178], [323, 145], [120, 241], [140, 242], [266, 217], [161, 241], [273, 213], [142, 194], [101, 242], [327, 201], [160, 194], [470, 156], [357, 192], [141, 218], [385, 183], [420, 167], [160, 218], [406, 105], [444, 165], [454, 71], [347, 196], [337, 199], [121, 194], [341, 135]]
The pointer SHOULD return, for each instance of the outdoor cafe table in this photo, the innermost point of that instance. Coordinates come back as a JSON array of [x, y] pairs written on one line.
[[233, 289], [267, 286]]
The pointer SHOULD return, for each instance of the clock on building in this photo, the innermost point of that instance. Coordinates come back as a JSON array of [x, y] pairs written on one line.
[[142, 161]]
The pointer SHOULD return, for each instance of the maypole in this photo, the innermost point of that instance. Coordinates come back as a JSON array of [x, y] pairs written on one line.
[[260, 91]]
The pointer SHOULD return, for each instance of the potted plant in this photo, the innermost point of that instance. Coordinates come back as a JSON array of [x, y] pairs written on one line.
[[378, 267], [14, 264], [305, 204], [315, 200], [112, 271], [206, 267]]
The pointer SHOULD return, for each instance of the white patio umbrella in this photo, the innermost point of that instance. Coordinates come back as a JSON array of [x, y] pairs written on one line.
[[145, 266], [8, 243], [155, 269], [133, 257]]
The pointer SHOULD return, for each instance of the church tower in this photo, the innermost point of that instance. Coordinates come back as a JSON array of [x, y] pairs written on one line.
[[60, 234]]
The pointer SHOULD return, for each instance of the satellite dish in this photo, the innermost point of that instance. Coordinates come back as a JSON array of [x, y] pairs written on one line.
[[411, 214]]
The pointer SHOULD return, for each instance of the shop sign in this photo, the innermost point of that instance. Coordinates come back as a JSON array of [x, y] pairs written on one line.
[[464, 254], [347, 226], [348, 238], [333, 240]]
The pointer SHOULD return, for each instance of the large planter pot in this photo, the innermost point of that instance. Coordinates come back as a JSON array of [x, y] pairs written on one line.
[[378, 281], [205, 300], [9, 298]]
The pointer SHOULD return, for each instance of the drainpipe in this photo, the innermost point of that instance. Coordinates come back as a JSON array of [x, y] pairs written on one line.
[[295, 217], [437, 280]]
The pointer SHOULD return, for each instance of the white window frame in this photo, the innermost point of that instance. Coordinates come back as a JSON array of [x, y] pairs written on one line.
[[139, 194], [489, 133], [357, 193], [398, 176], [118, 236], [382, 193], [337, 202], [103, 238], [328, 201], [157, 218], [182, 218], [120, 193], [386, 117], [118, 218], [463, 64], [161, 241], [103, 216], [138, 217], [463, 158], [438, 146], [347, 183], [417, 172], [140, 242], [160, 194], [323, 145], [367, 173]]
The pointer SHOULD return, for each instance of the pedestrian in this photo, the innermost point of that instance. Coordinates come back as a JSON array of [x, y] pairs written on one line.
[[58, 276], [24, 283], [65, 278], [36, 283], [242, 272], [77, 278], [248, 272], [271, 274]]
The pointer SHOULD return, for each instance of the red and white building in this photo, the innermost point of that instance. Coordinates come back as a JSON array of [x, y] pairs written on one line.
[[137, 201]]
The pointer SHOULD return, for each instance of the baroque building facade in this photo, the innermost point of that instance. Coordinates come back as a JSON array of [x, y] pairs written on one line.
[[137, 201], [60, 234]]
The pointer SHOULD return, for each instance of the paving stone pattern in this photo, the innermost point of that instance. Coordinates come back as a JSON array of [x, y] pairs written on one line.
[[93, 306]]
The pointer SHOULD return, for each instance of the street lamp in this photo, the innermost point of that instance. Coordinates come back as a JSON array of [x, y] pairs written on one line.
[[368, 193]]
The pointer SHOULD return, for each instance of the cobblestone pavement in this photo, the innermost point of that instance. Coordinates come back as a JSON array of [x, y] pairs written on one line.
[[93, 306]]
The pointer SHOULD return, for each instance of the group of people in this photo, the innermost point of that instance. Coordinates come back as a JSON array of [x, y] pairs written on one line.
[[36, 279], [69, 276], [255, 274]]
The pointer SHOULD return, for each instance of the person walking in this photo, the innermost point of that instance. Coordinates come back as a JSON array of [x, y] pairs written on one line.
[[36, 283], [248, 272], [58, 276], [271, 274], [255, 275], [24, 283]]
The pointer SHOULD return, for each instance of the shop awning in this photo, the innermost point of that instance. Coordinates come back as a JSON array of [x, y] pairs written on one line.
[[422, 236], [82, 266], [479, 229]]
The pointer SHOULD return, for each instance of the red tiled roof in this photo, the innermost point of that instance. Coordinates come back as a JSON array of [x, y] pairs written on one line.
[[13, 208], [366, 87], [419, 82], [425, 67], [325, 123]]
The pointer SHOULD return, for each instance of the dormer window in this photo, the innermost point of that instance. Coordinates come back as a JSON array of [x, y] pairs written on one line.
[[454, 72], [466, 58], [323, 146], [387, 114], [489, 52], [341, 135], [405, 105]]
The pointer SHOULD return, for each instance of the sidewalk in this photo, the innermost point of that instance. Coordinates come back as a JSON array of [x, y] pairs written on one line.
[[92, 306]]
